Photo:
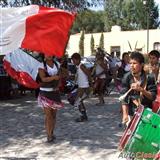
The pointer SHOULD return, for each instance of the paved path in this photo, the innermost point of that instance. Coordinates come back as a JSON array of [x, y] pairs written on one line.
[[22, 134]]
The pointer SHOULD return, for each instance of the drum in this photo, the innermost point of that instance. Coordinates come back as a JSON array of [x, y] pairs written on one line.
[[157, 157], [130, 129], [143, 133]]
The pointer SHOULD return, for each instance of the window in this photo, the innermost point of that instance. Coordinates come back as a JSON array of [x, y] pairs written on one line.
[[115, 49]]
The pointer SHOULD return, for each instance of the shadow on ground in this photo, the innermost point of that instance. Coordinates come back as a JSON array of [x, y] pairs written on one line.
[[22, 126]]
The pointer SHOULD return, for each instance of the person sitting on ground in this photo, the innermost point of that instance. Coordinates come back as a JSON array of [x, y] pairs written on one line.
[[142, 86], [83, 86]]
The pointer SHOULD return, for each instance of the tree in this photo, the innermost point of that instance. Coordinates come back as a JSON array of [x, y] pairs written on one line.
[[153, 15], [90, 21], [81, 44], [131, 15], [72, 5], [101, 42], [92, 44]]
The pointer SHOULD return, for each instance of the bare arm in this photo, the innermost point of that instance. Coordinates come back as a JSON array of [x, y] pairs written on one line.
[[147, 94], [45, 78], [85, 70], [137, 87]]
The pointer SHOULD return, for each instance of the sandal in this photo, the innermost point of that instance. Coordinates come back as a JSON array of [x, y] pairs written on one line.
[[51, 139]]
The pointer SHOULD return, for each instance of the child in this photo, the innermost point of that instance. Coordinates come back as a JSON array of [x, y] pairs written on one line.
[[83, 86]]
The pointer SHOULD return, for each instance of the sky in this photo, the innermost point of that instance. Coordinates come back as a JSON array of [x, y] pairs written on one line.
[[158, 2], [101, 8]]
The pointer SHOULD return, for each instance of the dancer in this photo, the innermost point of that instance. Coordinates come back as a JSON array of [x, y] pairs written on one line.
[[100, 77], [49, 96], [83, 86]]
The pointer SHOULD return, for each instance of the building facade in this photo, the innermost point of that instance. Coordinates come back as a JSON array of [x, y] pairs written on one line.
[[117, 40]]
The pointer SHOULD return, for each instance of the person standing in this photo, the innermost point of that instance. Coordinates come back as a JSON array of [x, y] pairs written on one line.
[[83, 86], [123, 69], [125, 66], [64, 74], [112, 65], [49, 96], [142, 87], [154, 65], [100, 77]]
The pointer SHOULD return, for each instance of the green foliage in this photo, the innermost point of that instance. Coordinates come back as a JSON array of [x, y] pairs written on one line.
[[3, 3], [90, 21], [81, 44], [131, 15], [72, 5], [151, 11], [92, 44], [101, 42]]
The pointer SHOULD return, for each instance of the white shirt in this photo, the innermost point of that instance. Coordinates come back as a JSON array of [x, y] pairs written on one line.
[[51, 70], [118, 62], [99, 70], [127, 67], [112, 63], [82, 78]]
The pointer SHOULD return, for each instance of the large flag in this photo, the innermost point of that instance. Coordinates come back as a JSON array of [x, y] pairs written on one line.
[[22, 67], [36, 28]]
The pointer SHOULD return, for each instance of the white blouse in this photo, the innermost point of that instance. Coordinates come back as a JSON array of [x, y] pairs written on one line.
[[82, 78]]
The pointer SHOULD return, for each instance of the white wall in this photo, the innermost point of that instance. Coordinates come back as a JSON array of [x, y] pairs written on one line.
[[116, 38]]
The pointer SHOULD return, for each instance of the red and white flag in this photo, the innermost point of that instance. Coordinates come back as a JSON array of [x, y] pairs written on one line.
[[36, 28], [22, 67]]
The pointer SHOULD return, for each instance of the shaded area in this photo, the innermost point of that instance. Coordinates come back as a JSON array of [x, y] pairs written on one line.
[[23, 135]]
